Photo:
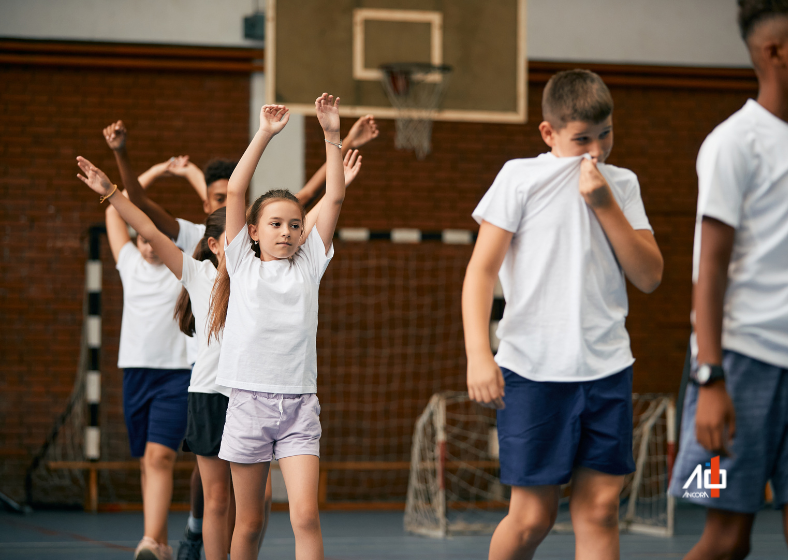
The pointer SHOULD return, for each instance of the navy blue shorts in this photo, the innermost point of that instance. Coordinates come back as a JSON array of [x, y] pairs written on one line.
[[549, 428], [155, 404]]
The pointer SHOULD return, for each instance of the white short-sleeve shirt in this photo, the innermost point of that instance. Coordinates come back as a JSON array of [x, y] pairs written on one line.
[[149, 334], [270, 335], [198, 278], [189, 235], [743, 182], [566, 299]]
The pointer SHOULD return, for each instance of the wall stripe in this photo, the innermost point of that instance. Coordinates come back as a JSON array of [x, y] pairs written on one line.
[[408, 235], [93, 276]]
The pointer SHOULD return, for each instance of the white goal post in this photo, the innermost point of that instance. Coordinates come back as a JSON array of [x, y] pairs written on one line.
[[454, 487]]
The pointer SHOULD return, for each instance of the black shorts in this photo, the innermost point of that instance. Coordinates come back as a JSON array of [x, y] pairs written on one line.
[[205, 423]]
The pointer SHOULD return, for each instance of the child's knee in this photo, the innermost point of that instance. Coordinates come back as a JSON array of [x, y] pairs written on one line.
[[532, 530], [600, 512], [249, 528], [727, 546], [157, 458], [217, 499], [305, 519]]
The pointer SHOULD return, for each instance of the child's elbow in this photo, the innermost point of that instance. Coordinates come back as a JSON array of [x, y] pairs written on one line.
[[654, 279]]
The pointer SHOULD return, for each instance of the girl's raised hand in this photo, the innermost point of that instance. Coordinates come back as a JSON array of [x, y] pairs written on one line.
[[327, 108], [94, 177], [351, 166], [273, 118]]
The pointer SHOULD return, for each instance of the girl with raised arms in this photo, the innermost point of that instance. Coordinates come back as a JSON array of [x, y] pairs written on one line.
[[207, 400], [265, 303]]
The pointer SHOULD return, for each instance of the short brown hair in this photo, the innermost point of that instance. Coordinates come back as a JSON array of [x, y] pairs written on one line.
[[576, 95]]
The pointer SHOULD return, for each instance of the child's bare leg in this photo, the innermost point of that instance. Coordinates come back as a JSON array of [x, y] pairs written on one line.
[[594, 509], [301, 473], [269, 496], [157, 489], [249, 488], [532, 513], [215, 475], [726, 536]]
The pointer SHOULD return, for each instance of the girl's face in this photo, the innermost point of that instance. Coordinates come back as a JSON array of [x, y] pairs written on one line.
[[147, 251], [278, 231], [217, 246]]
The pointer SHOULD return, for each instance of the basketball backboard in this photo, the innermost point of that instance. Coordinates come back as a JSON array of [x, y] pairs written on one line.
[[338, 46]]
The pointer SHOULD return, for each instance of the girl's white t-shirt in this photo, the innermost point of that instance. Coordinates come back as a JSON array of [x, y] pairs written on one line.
[[566, 297], [198, 278], [149, 334], [743, 182], [270, 334], [189, 235]]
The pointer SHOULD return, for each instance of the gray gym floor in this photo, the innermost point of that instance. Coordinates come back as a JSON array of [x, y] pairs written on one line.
[[72, 535]]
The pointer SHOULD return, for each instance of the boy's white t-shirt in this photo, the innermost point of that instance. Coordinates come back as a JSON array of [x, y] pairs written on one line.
[[198, 278], [566, 298], [189, 235], [743, 182], [149, 334], [269, 341]]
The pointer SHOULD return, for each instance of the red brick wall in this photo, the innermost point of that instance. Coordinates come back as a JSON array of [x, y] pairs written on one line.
[[48, 116], [658, 132], [373, 387]]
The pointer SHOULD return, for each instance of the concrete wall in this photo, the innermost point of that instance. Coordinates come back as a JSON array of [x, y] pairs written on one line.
[[672, 32], [691, 32]]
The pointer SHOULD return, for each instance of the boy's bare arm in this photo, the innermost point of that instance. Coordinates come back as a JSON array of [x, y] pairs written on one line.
[[715, 418], [485, 381], [115, 135], [636, 250]]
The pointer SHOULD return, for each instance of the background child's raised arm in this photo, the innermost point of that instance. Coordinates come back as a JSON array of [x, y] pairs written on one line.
[[97, 180], [351, 167], [273, 118], [327, 108], [362, 131], [179, 166], [115, 135]]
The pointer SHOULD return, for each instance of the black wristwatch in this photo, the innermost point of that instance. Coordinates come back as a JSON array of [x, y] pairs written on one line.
[[705, 374]]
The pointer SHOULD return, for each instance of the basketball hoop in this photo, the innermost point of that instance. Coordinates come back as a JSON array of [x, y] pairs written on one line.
[[415, 90]]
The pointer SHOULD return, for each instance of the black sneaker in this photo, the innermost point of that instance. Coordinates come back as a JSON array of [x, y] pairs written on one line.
[[190, 546]]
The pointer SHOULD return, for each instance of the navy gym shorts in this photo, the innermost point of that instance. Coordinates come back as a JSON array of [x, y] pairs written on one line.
[[155, 404], [549, 428]]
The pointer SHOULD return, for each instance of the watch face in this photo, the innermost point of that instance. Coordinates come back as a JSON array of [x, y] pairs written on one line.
[[704, 373]]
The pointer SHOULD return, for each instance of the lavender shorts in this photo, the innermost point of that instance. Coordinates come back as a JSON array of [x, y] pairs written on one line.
[[261, 426]]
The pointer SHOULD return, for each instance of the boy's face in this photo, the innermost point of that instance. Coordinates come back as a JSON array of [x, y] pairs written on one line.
[[579, 137], [217, 196]]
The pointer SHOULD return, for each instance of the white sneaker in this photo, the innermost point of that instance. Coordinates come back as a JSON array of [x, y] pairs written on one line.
[[149, 549]]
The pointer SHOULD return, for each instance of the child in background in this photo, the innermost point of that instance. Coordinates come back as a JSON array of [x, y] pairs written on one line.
[[207, 401], [265, 303], [562, 231], [212, 189], [156, 375], [739, 376]]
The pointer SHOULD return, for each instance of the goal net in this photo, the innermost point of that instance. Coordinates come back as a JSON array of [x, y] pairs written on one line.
[[454, 486]]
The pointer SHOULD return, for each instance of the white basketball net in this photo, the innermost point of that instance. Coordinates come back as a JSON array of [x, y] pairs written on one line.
[[415, 91]]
